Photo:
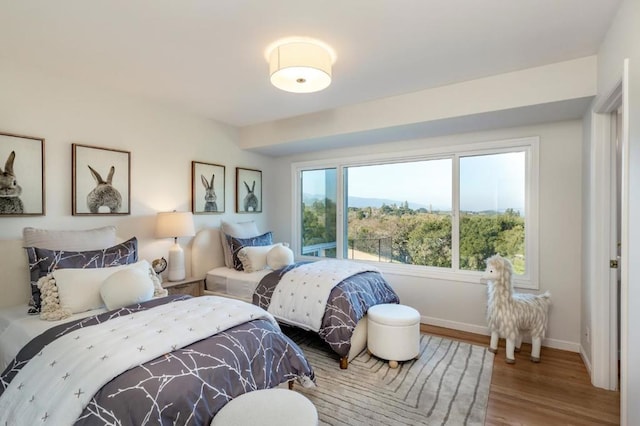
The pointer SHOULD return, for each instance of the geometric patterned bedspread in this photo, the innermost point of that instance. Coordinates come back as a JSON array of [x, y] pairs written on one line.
[[348, 302], [186, 386]]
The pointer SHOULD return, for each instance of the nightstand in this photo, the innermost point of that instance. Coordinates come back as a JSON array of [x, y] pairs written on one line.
[[190, 285]]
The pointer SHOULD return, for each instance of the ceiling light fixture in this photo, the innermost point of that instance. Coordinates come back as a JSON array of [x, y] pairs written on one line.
[[300, 65]]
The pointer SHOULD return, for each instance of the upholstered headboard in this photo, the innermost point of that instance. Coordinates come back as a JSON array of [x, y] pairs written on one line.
[[14, 279], [206, 251]]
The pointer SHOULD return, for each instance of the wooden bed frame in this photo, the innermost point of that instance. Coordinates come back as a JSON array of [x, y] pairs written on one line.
[[206, 254]]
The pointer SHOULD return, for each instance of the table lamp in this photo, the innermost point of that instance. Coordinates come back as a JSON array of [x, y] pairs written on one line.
[[173, 225]]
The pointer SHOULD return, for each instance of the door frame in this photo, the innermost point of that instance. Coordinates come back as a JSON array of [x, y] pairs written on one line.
[[603, 284], [603, 294]]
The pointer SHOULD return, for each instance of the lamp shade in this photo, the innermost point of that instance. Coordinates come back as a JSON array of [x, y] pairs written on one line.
[[174, 225], [300, 66]]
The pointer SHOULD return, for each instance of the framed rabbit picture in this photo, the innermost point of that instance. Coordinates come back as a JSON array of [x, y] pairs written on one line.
[[21, 175], [248, 190], [101, 182], [207, 188]]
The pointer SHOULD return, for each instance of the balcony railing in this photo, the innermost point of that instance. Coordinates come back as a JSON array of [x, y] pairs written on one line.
[[373, 249]]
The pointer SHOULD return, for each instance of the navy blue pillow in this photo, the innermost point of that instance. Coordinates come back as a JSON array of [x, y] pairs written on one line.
[[43, 261], [236, 244]]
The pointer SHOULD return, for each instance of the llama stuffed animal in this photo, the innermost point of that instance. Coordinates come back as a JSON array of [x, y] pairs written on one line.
[[509, 313]]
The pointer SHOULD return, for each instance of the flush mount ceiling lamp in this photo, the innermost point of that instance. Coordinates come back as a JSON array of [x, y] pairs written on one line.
[[300, 65]]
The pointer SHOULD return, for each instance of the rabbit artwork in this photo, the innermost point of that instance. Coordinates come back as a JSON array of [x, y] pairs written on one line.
[[10, 202], [104, 194], [250, 200], [210, 197]]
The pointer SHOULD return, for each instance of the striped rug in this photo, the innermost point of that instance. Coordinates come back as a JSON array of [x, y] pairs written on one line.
[[447, 385]]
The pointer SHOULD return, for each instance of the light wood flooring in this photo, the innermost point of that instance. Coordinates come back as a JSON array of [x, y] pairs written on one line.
[[557, 391]]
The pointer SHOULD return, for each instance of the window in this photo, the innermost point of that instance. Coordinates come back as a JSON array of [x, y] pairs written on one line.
[[437, 213], [319, 212]]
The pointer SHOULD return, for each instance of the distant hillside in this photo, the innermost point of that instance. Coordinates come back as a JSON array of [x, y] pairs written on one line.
[[361, 202]]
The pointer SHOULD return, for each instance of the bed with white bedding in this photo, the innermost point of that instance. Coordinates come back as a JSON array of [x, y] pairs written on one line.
[[17, 328], [231, 283], [342, 321], [240, 350]]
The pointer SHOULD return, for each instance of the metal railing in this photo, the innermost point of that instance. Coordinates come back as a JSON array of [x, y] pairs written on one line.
[[374, 249]]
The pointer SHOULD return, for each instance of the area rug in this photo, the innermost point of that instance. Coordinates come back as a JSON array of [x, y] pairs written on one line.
[[447, 385]]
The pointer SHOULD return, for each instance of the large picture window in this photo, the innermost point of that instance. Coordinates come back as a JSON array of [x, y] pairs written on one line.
[[438, 213]]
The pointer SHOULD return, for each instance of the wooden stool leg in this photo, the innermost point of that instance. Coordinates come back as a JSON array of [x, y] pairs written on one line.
[[344, 363]]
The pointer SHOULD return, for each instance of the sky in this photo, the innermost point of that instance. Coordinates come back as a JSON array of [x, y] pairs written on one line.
[[487, 182]]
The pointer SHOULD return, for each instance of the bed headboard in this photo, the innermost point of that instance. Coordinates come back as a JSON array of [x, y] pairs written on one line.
[[206, 251], [14, 279]]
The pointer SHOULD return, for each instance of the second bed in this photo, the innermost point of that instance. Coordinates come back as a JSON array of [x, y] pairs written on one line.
[[344, 325]]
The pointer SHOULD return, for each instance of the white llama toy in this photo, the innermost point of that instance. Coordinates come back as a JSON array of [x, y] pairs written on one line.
[[510, 313]]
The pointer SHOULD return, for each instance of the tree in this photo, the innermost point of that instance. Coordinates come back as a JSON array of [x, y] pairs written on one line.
[[429, 242]]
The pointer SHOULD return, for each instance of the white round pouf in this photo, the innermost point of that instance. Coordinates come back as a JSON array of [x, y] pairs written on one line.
[[280, 407], [393, 332]]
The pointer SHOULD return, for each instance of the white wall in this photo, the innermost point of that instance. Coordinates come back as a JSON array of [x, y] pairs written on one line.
[[462, 305], [162, 141], [623, 41], [533, 86]]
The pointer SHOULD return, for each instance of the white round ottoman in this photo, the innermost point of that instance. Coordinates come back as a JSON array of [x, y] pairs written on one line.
[[393, 332], [280, 407]]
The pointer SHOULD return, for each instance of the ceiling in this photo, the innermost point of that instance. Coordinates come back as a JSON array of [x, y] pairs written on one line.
[[207, 56]]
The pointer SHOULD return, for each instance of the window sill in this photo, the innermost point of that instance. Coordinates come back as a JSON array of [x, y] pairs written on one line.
[[474, 277]]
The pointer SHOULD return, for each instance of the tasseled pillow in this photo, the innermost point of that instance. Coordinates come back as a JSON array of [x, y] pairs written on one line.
[[50, 306]]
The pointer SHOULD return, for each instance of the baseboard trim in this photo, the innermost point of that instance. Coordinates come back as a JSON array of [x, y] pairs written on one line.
[[483, 330], [586, 361]]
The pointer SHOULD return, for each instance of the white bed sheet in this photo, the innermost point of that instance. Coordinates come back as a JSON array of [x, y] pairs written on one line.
[[17, 328], [237, 284]]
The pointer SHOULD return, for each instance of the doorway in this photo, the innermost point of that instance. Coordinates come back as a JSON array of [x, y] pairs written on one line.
[[605, 255]]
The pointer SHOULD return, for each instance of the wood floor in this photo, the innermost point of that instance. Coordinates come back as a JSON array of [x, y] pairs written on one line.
[[557, 391]]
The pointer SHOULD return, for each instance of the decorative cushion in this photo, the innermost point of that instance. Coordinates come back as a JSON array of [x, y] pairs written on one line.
[[126, 287], [236, 244], [254, 258], [44, 261], [238, 230], [51, 309], [279, 257], [90, 239], [79, 289]]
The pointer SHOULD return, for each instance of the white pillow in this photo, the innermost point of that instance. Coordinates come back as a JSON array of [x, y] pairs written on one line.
[[238, 230], [279, 257], [90, 239], [79, 289], [254, 258], [126, 287]]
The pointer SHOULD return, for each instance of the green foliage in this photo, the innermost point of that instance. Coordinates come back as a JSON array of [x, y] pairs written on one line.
[[420, 237], [429, 242], [319, 222]]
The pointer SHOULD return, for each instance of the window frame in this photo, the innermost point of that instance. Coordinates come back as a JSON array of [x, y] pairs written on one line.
[[530, 145]]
